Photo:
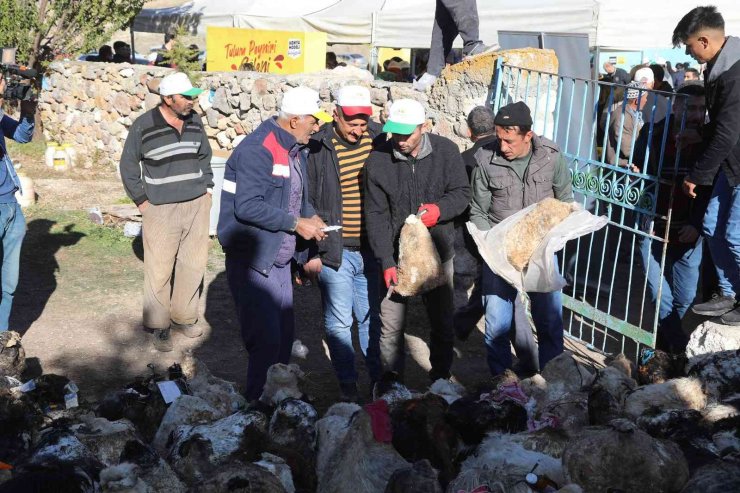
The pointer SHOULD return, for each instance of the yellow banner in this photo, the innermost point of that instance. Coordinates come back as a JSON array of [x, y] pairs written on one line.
[[278, 52]]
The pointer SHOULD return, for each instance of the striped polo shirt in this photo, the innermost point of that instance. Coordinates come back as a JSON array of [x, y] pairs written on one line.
[[351, 161]]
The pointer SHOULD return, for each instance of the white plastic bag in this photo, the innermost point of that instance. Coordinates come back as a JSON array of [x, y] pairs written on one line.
[[541, 274]]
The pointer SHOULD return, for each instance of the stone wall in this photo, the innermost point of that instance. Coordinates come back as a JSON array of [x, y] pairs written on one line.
[[92, 105]]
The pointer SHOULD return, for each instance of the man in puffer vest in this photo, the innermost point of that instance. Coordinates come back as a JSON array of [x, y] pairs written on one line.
[[515, 171]]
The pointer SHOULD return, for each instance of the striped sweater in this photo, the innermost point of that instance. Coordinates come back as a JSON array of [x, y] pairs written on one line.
[[351, 160], [161, 165]]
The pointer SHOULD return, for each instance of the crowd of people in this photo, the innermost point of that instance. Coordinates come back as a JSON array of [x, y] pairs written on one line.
[[331, 192]]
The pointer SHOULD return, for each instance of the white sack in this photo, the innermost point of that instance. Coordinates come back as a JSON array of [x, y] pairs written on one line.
[[540, 275]]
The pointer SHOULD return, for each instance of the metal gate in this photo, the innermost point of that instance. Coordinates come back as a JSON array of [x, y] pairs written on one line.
[[607, 303]]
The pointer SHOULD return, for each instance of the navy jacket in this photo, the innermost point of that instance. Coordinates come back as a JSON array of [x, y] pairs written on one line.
[[256, 193]]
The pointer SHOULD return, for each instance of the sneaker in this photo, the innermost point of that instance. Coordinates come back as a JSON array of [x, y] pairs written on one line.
[[425, 82], [163, 341], [718, 305], [349, 392], [188, 330], [479, 49], [731, 317]]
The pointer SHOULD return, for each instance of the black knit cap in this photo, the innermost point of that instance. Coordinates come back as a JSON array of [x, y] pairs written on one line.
[[514, 114]]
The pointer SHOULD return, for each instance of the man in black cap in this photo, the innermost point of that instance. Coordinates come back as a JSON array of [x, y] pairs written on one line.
[[517, 170]]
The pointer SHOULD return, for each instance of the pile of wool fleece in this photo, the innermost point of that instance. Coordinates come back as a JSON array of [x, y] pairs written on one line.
[[523, 238], [419, 266]]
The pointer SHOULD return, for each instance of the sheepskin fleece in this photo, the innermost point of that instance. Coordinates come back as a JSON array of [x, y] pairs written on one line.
[[281, 383], [419, 478], [622, 456], [124, 478], [277, 466], [238, 477], [419, 265], [608, 392], [12, 354], [186, 410], [360, 464], [718, 372], [564, 374], [623, 364], [679, 393], [523, 238], [105, 439], [330, 431], [507, 456], [721, 476]]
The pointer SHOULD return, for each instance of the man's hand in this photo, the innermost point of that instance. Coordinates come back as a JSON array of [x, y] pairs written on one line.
[[390, 276], [312, 268], [431, 216], [310, 228], [143, 206], [28, 107], [688, 188], [688, 234]]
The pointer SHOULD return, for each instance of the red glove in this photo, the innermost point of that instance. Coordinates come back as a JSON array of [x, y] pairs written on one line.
[[390, 275], [431, 216]]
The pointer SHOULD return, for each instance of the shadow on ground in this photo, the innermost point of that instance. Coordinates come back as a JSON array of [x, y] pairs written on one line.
[[38, 270]]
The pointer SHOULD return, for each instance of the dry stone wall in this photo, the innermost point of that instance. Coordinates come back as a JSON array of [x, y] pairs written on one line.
[[92, 105]]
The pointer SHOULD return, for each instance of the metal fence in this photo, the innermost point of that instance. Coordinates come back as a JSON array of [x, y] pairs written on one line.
[[608, 304]]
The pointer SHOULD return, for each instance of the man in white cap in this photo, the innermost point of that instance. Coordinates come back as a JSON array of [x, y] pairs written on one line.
[[414, 172], [264, 211], [646, 76], [348, 273], [166, 170], [624, 126]]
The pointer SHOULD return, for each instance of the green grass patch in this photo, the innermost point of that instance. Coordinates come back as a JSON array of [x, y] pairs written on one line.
[[123, 201], [33, 150]]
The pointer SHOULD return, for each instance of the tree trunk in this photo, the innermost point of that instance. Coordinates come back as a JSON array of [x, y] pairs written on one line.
[[33, 57]]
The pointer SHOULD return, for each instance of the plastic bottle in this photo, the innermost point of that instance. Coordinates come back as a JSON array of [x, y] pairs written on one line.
[[61, 160], [51, 149], [28, 197], [71, 154], [540, 483]]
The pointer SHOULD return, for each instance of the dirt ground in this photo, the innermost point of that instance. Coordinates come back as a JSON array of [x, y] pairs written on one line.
[[78, 304]]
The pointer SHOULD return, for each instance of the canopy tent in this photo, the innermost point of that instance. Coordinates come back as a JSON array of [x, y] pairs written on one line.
[[636, 24], [610, 24]]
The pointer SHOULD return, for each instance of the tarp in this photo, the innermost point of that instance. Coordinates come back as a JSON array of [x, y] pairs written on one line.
[[610, 24]]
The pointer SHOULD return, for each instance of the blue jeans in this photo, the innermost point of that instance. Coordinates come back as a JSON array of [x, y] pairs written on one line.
[[12, 229], [722, 231], [679, 281], [352, 289], [547, 313]]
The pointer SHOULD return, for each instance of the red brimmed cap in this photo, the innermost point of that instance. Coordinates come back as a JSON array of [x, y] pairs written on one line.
[[354, 100]]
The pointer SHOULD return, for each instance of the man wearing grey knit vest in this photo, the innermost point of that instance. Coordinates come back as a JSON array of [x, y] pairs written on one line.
[[166, 170]]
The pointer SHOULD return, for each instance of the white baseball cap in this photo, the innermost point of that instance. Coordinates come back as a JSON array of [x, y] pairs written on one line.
[[404, 116], [178, 83], [645, 74], [354, 100], [301, 101]]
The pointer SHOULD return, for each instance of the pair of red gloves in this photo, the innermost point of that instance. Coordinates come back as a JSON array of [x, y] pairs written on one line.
[[429, 219]]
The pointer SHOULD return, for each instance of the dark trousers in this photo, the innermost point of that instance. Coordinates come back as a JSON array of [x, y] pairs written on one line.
[[452, 17], [440, 306], [264, 305]]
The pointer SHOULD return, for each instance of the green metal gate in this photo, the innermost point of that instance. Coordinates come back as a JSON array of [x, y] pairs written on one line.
[[607, 302]]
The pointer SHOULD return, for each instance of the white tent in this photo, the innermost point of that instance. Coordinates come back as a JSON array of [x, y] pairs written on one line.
[[638, 24], [610, 24], [392, 23]]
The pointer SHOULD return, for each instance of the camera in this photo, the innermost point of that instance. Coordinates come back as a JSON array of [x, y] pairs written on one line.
[[18, 79]]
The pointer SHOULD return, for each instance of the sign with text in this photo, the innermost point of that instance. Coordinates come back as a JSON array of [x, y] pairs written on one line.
[[278, 52]]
